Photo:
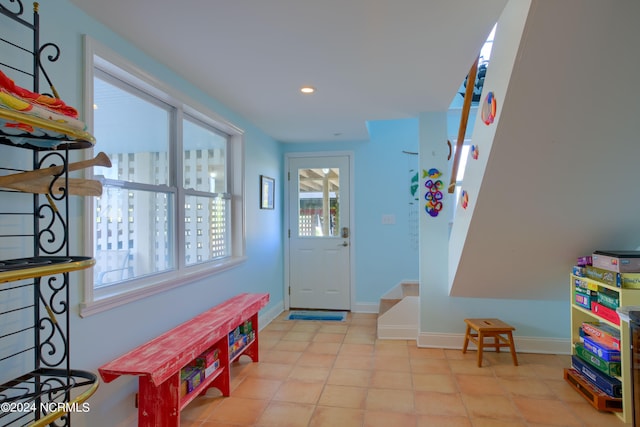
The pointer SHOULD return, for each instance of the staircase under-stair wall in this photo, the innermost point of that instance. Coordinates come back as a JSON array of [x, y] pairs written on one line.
[[399, 312]]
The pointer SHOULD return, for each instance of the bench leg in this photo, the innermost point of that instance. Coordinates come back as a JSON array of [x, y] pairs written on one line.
[[159, 406], [466, 339], [222, 382], [480, 347], [513, 349]]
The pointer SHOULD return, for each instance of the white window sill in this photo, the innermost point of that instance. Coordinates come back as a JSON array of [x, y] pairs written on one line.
[[145, 287]]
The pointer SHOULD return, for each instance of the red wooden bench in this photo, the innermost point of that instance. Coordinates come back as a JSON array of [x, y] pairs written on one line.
[[158, 362]]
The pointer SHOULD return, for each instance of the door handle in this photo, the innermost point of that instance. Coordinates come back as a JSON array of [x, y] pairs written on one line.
[[344, 244]]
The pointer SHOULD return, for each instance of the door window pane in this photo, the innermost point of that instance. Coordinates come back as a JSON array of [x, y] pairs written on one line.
[[319, 202]]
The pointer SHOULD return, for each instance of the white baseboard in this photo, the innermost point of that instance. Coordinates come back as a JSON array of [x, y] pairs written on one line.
[[269, 315], [523, 344], [366, 307], [402, 332]]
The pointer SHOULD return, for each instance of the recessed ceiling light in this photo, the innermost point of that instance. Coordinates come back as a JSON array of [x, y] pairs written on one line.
[[307, 89]]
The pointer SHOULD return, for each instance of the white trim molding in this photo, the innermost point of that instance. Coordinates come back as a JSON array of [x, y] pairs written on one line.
[[523, 344], [267, 316], [365, 307]]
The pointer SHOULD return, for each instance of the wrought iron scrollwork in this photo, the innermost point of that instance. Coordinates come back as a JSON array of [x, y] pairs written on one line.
[[7, 10], [52, 232], [53, 346], [52, 349], [48, 242], [59, 392], [58, 300], [53, 57]]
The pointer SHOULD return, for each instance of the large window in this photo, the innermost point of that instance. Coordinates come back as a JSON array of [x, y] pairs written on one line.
[[171, 207]]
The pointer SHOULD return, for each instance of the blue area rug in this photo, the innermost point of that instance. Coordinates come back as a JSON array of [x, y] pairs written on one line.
[[335, 316]]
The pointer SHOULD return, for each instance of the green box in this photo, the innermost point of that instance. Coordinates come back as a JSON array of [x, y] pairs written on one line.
[[609, 298], [610, 368]]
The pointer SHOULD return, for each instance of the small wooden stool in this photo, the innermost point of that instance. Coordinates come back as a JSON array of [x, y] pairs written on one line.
[[496, 328]]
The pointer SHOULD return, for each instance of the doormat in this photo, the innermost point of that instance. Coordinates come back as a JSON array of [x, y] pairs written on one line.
[[334, 316]]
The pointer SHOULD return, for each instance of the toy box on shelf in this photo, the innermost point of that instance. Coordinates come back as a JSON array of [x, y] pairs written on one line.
[[240, 337], [603, 351], [601, 333], [613, 278], [618, 261], [609, 368], [601, 283], [200, 368]]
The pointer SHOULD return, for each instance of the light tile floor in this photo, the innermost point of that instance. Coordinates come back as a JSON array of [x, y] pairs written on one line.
[[338, 374]]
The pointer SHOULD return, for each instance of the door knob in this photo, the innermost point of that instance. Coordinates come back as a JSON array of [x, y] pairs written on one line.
[[344, 244]]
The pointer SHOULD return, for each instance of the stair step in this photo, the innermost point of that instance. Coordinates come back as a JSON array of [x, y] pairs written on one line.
[[386, 304], [410, 289], [401, 320], [396, 294]]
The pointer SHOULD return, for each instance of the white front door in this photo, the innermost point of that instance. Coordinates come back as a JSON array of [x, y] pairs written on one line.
[[319, 233]]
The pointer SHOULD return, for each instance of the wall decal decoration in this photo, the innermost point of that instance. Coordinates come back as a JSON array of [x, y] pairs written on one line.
[[475, 152], [414, 186], [413, 218], [489, 109], [464, 199], [434, 194], [432, 173]]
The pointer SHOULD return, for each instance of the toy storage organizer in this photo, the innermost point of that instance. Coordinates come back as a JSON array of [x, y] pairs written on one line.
[[603, 378], [37, 383]]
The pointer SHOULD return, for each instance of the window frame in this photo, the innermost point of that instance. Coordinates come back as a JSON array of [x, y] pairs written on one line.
[[97, 55]]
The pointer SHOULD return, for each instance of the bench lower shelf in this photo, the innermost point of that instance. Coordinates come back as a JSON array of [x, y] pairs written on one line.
[[221, 377]]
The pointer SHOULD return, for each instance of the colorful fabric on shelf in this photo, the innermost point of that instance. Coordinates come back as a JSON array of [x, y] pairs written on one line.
[[54, 105], [40, 120], [15, 98]]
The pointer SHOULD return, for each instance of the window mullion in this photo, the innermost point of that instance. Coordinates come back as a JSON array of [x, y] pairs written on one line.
[[134, 185], [192, 192], [177, 170]]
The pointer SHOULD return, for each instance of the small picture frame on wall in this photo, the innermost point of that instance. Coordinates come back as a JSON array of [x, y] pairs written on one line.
[[267, 191]]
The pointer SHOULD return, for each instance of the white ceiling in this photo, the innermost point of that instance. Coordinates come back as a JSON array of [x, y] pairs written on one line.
[[368, 59]]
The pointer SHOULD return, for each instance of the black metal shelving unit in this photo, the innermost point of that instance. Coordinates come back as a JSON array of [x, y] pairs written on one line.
[[37, 383]]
